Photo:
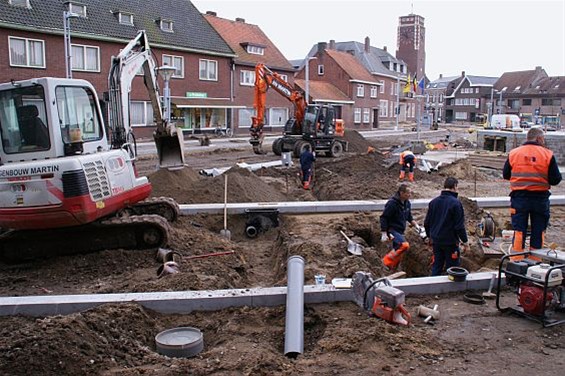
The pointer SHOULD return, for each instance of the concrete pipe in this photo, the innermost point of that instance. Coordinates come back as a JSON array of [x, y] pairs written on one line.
[[294, 325]]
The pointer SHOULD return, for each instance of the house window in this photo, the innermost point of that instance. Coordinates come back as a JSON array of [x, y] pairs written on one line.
[[177, 62], [382, 89], [373, 91], [514, 104], [85, 58], [320, 70], [247, 78], [208, 70], [366, 115], [245, 115], [126, 19], [357, 116], [360, 90], [461, 115], [383, 108], [278, 116], [77, 9], [20, 3], [141, 113], [526, 102], [26, 52], [255, 50], [166, 25], [441, 98]]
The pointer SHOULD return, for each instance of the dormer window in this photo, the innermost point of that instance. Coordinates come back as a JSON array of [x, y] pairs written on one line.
[[78, 9], [20, 3], [166, 25], [517, 88], [255, 50], [126, 18]]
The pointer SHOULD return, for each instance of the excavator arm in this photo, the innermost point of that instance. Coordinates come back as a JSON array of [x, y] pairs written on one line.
[[135, 56], [265, 79]]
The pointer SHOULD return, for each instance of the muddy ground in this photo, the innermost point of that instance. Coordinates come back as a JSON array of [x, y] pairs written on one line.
[[339, 338]]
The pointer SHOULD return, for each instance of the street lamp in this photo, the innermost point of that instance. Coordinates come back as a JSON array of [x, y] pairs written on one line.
[[396, 109], [166, 72], [67, 15], [418, 98], [307, 72]]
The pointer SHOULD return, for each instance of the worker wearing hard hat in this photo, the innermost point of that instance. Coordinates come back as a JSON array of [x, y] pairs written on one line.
[[407, 163]]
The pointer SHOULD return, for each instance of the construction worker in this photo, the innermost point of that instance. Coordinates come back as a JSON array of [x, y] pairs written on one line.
[[396, 213], [531, 169], [307, 159], [407, 162], [445, 227]]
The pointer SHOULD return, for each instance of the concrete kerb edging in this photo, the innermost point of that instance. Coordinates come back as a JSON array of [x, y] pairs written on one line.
[[183, 302]]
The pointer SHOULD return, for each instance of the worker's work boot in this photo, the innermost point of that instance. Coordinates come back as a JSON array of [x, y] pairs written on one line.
[[392, 259], [306, 184], [411, 176], [401, 177]]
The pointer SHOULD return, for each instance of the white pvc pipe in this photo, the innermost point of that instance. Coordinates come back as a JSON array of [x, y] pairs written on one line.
[[294, 324]]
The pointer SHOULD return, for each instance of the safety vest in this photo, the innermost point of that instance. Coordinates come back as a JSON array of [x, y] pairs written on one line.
[[404, 154], [530, 165]]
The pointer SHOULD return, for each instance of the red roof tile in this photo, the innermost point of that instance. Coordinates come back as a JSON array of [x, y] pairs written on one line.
[[238, 33], [322, 90], [351, 66]]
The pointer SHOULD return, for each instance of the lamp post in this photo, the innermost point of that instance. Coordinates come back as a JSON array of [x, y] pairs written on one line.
[[307, 73], [396, 109], [67, 15], [418, 98], [166, 72]]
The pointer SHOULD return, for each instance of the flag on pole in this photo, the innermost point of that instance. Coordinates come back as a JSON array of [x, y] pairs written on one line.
[[414, 84], [421, 85], [408, 85]]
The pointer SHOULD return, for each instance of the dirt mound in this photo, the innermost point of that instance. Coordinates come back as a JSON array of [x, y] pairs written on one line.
[[356, 142], [462, 170], [187, 187]]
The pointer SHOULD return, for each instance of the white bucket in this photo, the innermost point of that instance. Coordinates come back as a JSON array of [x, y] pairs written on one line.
[[286, 158], [507, 234]]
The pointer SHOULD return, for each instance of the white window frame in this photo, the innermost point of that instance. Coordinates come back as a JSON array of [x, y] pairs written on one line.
[[273, 111], [173, 59], [21, 3], [247, 78], [366, 115], [84, 55], [147, 107], [460, 116], [382, 89], [255, 50], [27, 46], [320, 69], [125, 18], [166, 26], [209, 76], [357, 115], [360, 90], [373, 91], [383, 108], [78, 9]]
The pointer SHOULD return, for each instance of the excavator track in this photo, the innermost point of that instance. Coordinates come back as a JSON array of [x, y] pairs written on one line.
[[166, 207], [129, 232]]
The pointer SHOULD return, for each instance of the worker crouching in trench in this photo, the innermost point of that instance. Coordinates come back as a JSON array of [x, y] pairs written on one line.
[[307, 159], [396, 214], [407, 163]]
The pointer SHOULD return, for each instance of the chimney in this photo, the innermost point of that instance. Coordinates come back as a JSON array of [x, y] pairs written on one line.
[[367, 44], [332, 44], [239, 19], [440, 75], [384, 49], [538, 69], [211, 13], [463, 74], [322, 46]]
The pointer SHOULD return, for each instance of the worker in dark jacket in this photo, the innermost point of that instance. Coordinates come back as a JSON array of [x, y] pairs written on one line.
[[407, 163], [396, 213], [307, 159], [445, 227], [531, 169]]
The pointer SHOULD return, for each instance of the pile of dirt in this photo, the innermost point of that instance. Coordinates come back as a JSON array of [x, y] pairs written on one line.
[[187, 187], [462, 169], [356, 142]]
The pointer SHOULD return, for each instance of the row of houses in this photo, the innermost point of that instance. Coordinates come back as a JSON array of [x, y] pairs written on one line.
[[214, 60], [532, 95]]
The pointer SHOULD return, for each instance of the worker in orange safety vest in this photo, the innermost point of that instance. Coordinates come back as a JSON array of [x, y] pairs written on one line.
[[407, 163], [531, 169]]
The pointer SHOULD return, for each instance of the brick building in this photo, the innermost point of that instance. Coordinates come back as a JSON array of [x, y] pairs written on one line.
[[466, 98]]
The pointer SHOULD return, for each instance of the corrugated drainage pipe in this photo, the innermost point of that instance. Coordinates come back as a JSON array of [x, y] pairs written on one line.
[[294, 326]]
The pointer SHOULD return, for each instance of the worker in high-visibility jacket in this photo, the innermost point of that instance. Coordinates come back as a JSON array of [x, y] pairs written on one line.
[[397, 212], [407, 163], [531, 169]]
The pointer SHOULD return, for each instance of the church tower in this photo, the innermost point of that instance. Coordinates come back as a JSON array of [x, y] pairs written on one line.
[[411, 44]]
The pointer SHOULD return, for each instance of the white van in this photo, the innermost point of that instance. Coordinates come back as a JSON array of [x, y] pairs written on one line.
[[505, 122]]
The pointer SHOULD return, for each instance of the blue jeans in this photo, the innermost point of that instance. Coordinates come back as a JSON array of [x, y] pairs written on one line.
[[408, 165], [445, 255], [537, 210], [398, 239]]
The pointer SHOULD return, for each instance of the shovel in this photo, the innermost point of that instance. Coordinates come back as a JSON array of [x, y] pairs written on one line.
[[352, 247], [225, 232], [489, 294]]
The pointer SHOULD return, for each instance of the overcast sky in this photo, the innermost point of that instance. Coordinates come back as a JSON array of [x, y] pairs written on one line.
[[484, 38]]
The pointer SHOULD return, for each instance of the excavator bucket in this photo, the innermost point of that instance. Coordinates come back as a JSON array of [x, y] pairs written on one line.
[[170, 149]]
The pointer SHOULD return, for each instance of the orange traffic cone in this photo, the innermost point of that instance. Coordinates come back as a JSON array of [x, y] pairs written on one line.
[[392, 259]]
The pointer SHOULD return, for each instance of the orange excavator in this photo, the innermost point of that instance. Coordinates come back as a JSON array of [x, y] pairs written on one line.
[[314, 125]]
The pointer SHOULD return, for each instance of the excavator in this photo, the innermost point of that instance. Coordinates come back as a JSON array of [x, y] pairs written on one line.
[[314, 125], [68, 182]]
